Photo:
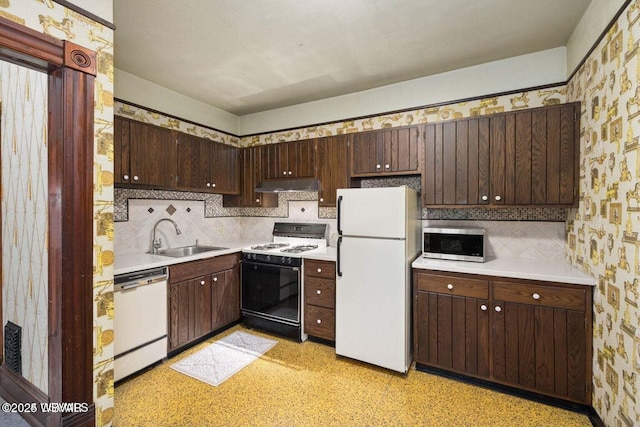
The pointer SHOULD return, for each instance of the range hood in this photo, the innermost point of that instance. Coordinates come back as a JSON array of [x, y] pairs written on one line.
[[287, 185]]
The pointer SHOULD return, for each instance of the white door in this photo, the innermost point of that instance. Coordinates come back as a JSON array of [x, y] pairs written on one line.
[[372, 302], [372, 212]]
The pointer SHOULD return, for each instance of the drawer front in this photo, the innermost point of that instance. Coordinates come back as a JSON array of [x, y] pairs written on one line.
[[548, 296], [322, 269], [320, 292], [190, 269], [448, 285], [320, 322]]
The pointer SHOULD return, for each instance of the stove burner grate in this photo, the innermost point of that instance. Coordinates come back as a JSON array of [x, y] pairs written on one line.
[[269, 246], [300, 248]]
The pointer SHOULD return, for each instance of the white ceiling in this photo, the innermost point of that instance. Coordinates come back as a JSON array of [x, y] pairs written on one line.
[[247, 56]]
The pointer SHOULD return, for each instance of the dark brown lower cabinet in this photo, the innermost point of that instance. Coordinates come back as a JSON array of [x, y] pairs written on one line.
[[531, 335], [204, 295]]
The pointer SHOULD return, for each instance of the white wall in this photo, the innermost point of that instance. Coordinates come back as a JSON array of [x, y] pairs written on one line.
[[593, 22], [136, 90], [520, 72]]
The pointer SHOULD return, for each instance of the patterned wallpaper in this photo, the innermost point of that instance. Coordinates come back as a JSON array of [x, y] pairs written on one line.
[[53, 19], [603, 231], [25, 255]]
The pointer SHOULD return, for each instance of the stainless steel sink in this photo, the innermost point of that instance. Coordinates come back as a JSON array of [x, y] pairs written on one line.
[[188, 250]]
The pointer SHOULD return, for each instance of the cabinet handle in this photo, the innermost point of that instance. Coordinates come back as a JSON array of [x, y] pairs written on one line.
[[213, 185], [322, 199], [498, 198], [135, 177], [318, 292], [319, 321], [319, 270], [387, 166], [126, 177], [201, 282], [450, 286], [257, 200], [215, 279], [378, 166], [485, 198], [483, 307], [290, 172], [536, 296], [498, 308], [208, 184], [284, 172]]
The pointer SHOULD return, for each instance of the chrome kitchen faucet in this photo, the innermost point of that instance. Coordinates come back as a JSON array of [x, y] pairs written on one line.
[[156, 243]]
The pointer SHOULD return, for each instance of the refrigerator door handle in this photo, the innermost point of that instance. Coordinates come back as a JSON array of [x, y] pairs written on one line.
[[338, 215], [338, 271]]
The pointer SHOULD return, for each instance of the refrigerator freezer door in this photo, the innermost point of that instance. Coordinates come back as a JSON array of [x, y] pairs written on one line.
[[372, 303], [373, 212]]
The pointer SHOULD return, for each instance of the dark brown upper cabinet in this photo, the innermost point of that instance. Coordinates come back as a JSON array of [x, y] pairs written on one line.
[[527, 157], [294, 159], [252, 165], [146, 155], [394, 151], [332, 167], [207, 166]]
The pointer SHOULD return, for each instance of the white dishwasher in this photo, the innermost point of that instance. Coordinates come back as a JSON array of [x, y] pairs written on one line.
[[140, 320]]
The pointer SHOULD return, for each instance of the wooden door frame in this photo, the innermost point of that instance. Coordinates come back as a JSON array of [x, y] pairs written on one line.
[[71, 70]]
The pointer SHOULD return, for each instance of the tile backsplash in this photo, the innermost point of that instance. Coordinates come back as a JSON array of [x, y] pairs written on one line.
[[512, 239]]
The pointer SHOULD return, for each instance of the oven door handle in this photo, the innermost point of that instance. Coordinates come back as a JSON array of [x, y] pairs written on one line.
[[338, 269]]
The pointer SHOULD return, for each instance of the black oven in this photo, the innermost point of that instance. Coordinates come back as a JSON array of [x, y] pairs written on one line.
[[271, 295]]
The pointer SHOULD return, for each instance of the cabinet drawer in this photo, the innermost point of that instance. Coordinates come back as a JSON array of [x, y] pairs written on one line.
[[320, 322], [548, 296], [449, 285], [190, 269], [323, 269], [320, 292]]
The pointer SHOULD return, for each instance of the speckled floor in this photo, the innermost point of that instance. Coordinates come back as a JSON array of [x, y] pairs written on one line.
[[306, 384]]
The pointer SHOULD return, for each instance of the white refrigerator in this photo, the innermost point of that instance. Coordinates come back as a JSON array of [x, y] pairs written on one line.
[[379, 237]]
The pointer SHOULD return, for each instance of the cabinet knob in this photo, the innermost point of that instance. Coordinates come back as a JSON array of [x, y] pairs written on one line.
[[201, 282], [387, 166], [322, 199], [319, 270], [485, 198], [290, 172], [319, 321], [318, 292], [257, 200], [483, 307], [498, 308], [215, 279], [378, 166], [135, 177], [536, 296], [450, 286], [498, 198], [208, 184], [213, 185], [126, 177]]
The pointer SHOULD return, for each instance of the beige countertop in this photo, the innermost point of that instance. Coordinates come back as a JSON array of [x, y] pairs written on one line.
[[128, 263], [519, 268]]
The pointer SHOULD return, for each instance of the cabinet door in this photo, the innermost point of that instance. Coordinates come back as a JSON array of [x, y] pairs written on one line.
[[182, 303], [226, 297], [534, 156], [542, 346], [332, 164], [453, 332], [121, 149], [153, 155], [191, 163], [301, 158], [456, 170], [401, 150], [367, 154], [223, 169]]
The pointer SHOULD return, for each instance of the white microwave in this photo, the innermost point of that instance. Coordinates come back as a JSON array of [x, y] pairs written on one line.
[[459, 243]]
